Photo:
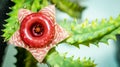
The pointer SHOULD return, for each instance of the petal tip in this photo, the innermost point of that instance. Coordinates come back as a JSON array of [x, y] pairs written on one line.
[[23, 13]]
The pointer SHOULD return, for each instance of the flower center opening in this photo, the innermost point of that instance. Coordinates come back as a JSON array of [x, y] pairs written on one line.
[[37, 29]]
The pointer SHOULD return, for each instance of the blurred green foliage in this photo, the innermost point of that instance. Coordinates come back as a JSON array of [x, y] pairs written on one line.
[[71, 8]]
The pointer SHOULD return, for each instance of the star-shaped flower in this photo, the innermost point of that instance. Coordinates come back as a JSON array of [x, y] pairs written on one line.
[[36, 46]]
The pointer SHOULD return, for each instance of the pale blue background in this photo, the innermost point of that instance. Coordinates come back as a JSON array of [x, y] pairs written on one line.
[[104, 55]]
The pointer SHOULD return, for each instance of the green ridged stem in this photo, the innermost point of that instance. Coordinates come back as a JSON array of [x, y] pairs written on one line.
[[94, 32]]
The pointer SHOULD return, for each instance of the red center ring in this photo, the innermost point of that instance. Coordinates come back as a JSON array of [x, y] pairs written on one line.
[[37, 40]]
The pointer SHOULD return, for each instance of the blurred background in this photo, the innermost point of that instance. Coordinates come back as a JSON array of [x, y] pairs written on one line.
[[104, 55]]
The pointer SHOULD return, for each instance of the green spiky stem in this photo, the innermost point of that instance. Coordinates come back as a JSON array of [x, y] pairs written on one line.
[[54, 59], [94, 32]]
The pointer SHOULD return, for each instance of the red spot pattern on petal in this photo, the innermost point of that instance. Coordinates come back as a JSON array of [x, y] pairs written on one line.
[[23, 13]]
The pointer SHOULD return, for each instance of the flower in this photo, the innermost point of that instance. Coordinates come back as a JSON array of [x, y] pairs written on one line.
[[39, 52]]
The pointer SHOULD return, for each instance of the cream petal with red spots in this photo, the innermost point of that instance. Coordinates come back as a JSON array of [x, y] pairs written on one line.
[[23, 13]]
